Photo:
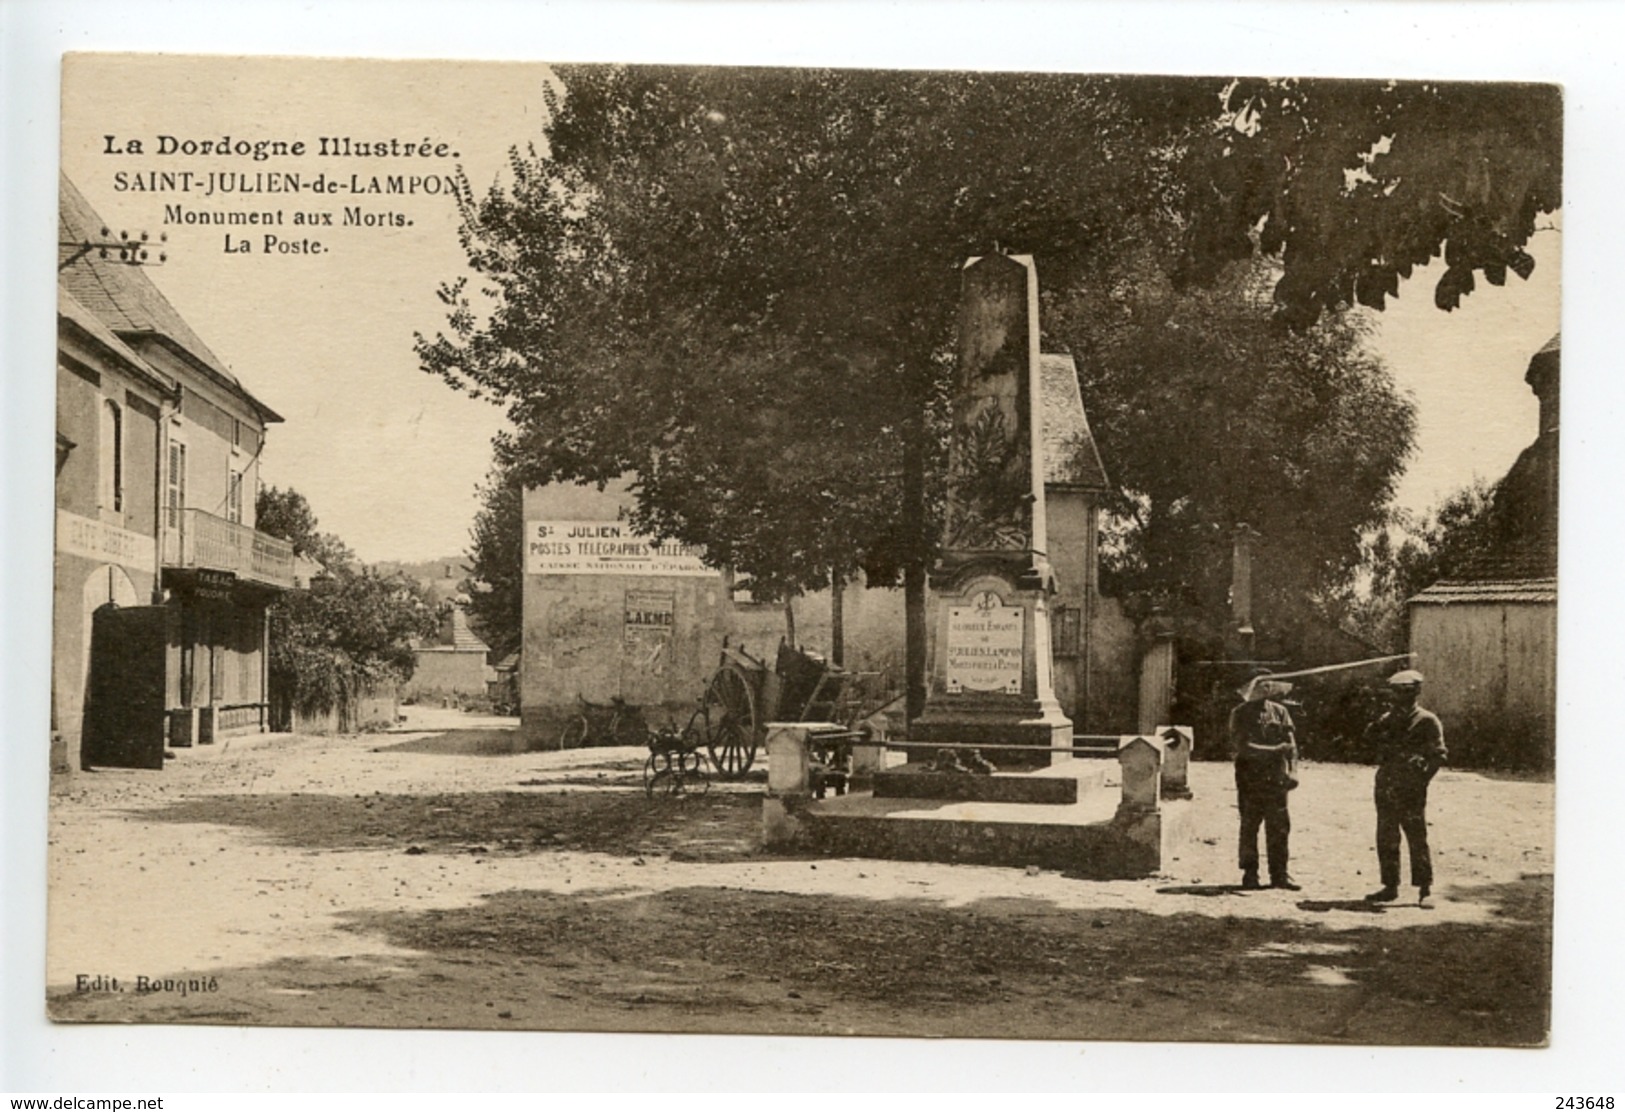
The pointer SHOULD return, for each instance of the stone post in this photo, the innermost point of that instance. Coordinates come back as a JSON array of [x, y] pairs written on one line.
[[1141, 759], [1241, 583], [870, 758], [1176, 760], [789, 783]]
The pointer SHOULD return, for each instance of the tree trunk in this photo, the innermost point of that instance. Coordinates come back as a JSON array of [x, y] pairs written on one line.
[[790, 619], [914, 570], [837, 618]]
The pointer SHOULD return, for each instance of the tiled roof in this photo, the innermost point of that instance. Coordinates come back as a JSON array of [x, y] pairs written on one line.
[[69, 308], [462, 637], [1448, 591], [1070, 455], [125, 298]]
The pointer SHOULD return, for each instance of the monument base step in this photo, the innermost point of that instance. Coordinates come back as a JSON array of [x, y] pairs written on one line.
[[1063, 783], [1089, 839]]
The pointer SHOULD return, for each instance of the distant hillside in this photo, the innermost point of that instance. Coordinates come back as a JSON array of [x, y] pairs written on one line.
[[443, 567], [441, 575]]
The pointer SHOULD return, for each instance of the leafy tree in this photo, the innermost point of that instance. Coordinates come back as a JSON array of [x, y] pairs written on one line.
[[1211, 417], [1415, 552], [351, 631], [496, 554], [741, 285], [1353, 184], [286, 514]]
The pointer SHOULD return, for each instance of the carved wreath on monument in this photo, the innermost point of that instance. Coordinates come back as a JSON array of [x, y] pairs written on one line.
[[990, 497]]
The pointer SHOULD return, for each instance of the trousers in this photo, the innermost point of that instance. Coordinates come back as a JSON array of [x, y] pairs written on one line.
[[1262, 804], [1403, 810]]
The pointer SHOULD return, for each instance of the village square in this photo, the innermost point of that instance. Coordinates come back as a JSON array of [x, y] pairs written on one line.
[[931, 579]]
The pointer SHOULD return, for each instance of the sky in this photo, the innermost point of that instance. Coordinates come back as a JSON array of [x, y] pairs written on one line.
[[1464, 369], [390, 457]]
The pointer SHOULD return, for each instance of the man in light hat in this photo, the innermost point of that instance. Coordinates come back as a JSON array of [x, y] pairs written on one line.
[[1410, 746], [1266, 749]]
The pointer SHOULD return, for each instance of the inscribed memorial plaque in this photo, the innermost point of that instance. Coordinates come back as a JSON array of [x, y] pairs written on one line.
[[984, 647]]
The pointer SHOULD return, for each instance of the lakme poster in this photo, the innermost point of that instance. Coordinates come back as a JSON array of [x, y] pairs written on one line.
[[365, 367]]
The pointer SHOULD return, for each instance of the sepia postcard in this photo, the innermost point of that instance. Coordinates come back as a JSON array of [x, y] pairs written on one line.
[[840, 552]]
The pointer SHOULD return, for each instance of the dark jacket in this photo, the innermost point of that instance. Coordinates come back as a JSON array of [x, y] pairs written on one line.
[[1410, 748]]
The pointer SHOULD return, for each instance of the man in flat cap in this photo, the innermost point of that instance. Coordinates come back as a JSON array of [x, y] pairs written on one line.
[[1410, 747], [1266, 749]]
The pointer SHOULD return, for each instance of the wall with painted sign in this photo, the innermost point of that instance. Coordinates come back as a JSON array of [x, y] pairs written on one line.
[[569, 547], [606, 613], [609, 613]]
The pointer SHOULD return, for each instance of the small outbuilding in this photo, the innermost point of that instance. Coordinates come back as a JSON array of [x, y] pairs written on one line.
[[1486, 637]]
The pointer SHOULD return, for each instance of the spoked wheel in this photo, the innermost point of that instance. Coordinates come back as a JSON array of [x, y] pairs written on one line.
[[651, 771], [732, 717], [574, 734]]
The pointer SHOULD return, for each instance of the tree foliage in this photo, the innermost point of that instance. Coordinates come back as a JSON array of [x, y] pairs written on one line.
[[286, 514], [1353, 184], [1210, 416], [496, 555], [351, 630], [740, 287], [1451, 539]]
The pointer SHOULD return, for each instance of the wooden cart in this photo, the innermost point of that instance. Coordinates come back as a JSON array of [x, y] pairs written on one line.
[[744, 695]]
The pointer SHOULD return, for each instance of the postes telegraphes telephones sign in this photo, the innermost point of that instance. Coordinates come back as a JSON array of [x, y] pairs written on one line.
[[605, 548]]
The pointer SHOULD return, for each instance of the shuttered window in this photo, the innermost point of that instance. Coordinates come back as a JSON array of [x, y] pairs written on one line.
[[175, 490]]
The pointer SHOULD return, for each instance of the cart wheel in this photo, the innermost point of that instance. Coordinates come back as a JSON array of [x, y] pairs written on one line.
[[730, 711], [730, 752], [574, 734]]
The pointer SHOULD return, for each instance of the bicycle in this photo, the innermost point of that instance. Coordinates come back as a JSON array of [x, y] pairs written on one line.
[[614, 723], [675, 764]]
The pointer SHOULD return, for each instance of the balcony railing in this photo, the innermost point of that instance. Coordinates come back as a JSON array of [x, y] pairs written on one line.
[[206, 541]]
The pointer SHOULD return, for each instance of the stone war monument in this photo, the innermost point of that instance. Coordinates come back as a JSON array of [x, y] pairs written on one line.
[[991, 676]]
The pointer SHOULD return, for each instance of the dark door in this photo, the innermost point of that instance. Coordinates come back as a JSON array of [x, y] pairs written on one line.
[[124, 699]]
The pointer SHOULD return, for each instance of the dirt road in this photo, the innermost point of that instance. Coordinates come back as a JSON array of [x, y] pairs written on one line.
[[439, 878]]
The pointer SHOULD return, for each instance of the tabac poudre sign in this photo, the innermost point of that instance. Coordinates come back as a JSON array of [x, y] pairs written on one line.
[[605, 548], [984, 646]]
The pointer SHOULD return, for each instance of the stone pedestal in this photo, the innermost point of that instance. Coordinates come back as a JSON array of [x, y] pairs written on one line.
[[991, 679], [870, 759], [1176, 760], [1141, 759], [789, 781], [788, 762]]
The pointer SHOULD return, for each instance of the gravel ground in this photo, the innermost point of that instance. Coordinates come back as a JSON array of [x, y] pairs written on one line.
[[435, 877]]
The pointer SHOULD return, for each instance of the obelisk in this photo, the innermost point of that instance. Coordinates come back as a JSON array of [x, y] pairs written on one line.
[[991, 677]]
